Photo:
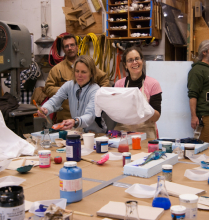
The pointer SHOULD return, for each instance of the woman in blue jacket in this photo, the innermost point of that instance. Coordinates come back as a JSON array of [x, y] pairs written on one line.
[[80, 93]]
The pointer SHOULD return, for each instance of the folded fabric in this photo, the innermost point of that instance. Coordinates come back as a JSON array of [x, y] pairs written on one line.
[[124, 105], [12, 145]]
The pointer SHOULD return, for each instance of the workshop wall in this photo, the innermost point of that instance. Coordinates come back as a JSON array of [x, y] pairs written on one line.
[[28, 13]]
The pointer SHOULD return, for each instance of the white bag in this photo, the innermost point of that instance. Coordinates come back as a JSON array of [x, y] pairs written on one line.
[[123, 105], [11, 145]]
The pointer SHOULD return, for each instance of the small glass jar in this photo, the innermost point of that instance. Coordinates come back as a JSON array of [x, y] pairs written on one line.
[[46, 142], [189, 150], [190, 202], [178, 212], [131, 210], [126, 158], [153, 146], [123, 144], [167, 146], [167, 172], [136, 142]]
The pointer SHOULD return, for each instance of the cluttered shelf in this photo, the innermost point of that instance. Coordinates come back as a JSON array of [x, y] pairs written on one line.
[[117, 21], [112, 5], [148, 19], [117, 13], [145, 28], [128, 38]]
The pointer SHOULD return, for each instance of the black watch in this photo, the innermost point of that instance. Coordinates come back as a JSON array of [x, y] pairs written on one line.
[[76, 123]]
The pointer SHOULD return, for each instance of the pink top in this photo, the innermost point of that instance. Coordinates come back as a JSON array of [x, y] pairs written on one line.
[[151, 86]]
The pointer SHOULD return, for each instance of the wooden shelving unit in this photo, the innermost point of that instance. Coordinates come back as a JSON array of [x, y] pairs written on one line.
[[145, 18]]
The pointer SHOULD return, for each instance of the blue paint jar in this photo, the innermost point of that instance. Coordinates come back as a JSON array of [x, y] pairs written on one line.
[[101, 144], [71, 182], [73, 148]]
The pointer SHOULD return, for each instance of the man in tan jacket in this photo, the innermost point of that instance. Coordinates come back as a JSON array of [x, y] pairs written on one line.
[[62, 72]]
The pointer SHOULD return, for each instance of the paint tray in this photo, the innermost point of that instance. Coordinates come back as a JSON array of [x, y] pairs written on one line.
[[10, 181], [151, 168]]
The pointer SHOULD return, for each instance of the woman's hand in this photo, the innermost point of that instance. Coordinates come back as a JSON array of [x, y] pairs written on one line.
[[68, 124], [43, 112]]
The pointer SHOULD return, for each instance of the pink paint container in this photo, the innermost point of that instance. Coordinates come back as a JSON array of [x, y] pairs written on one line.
[[153, 146], [44, 158]]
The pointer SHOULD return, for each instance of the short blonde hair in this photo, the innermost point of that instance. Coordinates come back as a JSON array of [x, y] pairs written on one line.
[[89, 62]]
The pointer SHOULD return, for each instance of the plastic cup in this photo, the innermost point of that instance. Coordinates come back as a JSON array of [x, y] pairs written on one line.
[[88, 140]]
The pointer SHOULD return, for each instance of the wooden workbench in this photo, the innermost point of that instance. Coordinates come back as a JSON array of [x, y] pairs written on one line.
[[43, 184]]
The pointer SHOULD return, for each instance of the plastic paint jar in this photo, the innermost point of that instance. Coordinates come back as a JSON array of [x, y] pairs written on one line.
[[167, 172], [73, 148], [178, 212], [188, 150], [167, 146], [71, 182], [153, 146], [136, 142], [101, 144], [190, 202], [44, 158], [12, 203], [126, 158]]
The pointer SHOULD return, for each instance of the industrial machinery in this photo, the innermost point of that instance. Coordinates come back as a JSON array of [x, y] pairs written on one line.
[[15, 55]]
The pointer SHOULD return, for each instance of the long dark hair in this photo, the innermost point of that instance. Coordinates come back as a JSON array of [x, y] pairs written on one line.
[[141, 55]]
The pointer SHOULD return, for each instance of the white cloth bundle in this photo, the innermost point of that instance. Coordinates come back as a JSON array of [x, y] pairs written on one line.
[[123, 105], [11, 145]]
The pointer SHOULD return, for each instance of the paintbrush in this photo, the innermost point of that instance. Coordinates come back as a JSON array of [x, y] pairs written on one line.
[[34, 102]]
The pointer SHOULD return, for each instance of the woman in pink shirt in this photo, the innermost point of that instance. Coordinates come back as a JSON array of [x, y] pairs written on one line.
[[134, 64]]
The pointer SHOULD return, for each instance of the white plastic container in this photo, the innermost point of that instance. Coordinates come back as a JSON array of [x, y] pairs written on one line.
[[190, 202], [178, 212], [88, 139]]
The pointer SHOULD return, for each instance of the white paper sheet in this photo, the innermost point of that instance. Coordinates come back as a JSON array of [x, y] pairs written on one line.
[[18, 163], [175, 189], [118, 209], [11, 145]]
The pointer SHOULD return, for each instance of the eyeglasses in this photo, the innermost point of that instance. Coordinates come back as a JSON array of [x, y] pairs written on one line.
[[132, 60], [69, 45], [78, 93]]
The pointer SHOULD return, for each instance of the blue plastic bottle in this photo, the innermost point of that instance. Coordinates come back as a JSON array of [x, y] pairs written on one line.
[[73, 148], [71, 182]]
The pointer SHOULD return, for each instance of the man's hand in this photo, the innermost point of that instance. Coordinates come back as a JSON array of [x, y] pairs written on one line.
[[43, 112], [194, 122], [68, 124]]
